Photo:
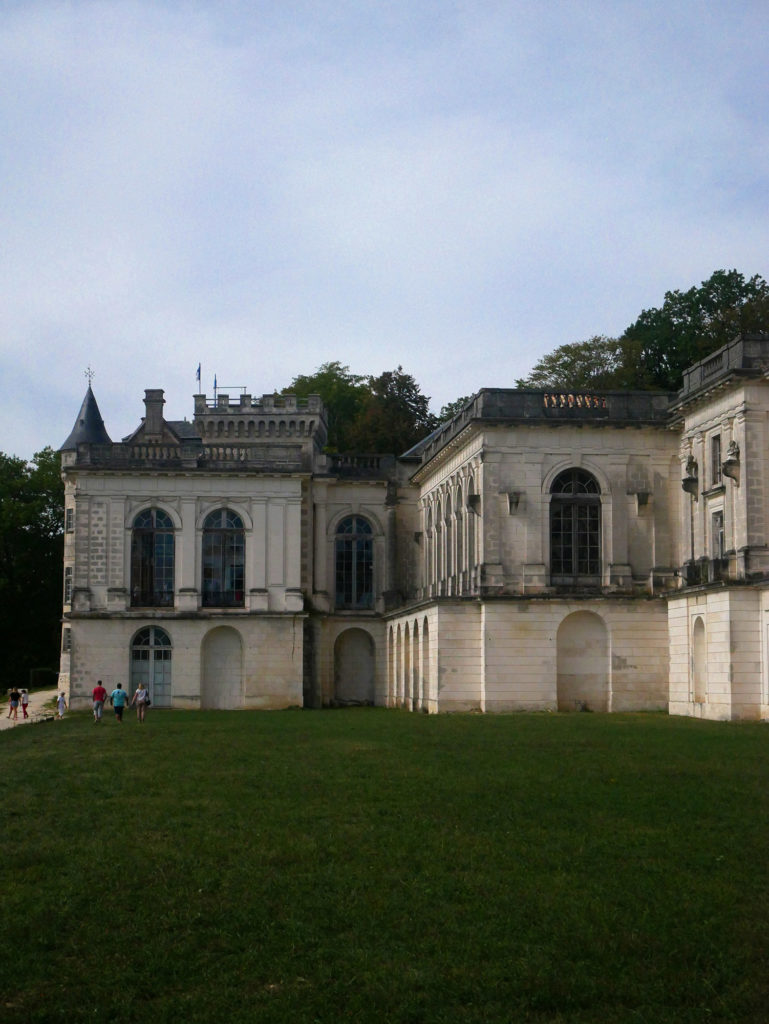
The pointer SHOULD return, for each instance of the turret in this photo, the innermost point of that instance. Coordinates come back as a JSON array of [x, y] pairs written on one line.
[[89, 426]]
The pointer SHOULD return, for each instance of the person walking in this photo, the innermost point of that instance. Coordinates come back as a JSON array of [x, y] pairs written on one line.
[[99, 695], [13, 706], [61, 705], [119, 698], [141, 699], [24, 703]]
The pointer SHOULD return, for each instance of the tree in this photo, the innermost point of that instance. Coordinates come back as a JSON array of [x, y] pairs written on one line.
[[31, 547], [450, 410], [387, 413], [343, 393], [595, 364], [395, 414], [655, 350], [690, 325]]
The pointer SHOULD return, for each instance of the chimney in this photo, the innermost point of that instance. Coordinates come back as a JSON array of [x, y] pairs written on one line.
[[153, 420]]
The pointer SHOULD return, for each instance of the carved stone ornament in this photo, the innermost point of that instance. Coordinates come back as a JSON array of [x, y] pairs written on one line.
[[731, 464], [690, 482]]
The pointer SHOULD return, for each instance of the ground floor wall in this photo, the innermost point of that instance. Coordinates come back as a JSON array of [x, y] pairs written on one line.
[[718, 659], [345, 663], [518, 655], [216, 662]]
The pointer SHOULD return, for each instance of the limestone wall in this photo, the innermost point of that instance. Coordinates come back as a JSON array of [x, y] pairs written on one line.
[[718, 661], [270, 661], [541, 654]]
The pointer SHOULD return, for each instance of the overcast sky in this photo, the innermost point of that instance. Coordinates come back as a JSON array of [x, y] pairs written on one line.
[[263, 187]]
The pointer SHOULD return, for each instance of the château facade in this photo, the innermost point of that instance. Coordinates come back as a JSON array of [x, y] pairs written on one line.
[[539, 551]]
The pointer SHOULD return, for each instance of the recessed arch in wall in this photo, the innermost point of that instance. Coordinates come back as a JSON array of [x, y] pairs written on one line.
[[699, 660], [582, 646], [354, 667], [221, 682]]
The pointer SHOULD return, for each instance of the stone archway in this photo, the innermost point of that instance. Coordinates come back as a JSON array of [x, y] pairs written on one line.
[[354, 663], [221, 684], [427, 694], [583, 663], [699, 661]]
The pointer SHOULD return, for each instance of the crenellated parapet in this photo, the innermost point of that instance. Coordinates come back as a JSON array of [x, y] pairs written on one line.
[[251, 420]]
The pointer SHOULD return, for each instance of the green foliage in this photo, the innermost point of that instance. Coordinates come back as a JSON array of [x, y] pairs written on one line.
[[31, 546], [387, 413], [595, 364], [343, 394], [690, 325], [395, 414], [450, 410], [655, 350], [375, 866]]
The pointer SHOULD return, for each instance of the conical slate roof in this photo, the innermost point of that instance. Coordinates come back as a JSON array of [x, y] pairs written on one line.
[[89, 426]]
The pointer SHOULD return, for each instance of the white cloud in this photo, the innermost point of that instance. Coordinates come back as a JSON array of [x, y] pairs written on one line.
[[455, 187]]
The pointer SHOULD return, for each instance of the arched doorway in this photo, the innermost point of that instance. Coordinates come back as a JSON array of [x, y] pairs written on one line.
[[408, 692], [354, 668], [221, 684], [699, 661], [426, 687], [583, 663], [151, 664]]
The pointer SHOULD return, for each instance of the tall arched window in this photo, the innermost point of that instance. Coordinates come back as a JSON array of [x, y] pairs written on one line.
[[151, 664], [354, 561], [152, 560], [429, 549], [449, 537], [575, 528], [223, 560], [460, 528]]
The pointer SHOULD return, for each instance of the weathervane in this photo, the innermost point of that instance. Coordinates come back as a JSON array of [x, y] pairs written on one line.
[[89, 375]]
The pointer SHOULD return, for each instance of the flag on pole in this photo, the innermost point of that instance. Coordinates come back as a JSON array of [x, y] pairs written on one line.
[[197, 375]]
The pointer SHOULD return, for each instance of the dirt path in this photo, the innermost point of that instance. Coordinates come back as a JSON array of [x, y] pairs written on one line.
[[35, 710]]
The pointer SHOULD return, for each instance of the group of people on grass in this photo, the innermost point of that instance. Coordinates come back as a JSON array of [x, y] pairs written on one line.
[[119, 701], [17, 698]]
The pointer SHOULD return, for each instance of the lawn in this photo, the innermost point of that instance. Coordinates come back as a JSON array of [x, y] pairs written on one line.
[[372, 865]]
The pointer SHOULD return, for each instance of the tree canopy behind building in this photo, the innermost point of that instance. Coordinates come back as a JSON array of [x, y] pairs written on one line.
[[31, 530], [655, 349], [384, 413]]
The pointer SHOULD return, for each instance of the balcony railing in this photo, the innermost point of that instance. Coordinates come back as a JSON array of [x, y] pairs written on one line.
[[141, 598]]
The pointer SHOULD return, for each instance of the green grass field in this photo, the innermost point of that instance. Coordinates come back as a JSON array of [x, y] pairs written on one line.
[[372, 865]]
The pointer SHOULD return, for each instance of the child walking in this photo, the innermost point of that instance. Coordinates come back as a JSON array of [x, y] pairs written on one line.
[[61, 705]]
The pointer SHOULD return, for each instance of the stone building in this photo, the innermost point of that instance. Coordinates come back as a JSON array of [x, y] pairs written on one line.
[[538, 551]]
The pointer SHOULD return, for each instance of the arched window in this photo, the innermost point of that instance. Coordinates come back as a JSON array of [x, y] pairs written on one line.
[[223, 560], [575, 528], [460, 532], [449, 537], [151, 664], [428, 552], [354, 559], [152, 560]]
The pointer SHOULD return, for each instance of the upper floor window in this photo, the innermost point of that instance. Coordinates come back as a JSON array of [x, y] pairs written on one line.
[[717, 534], [224, 550], [575, 528], [69, 519], [68, 585], [354, 563], [716, 475], [152, 560]]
